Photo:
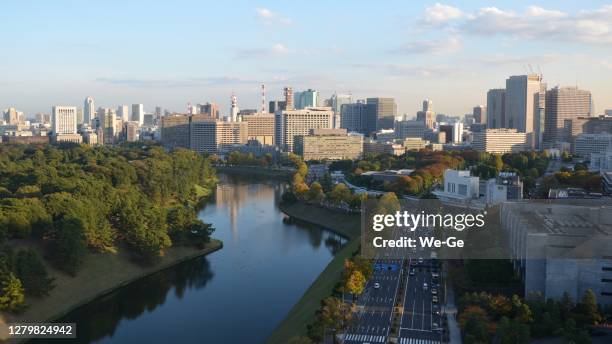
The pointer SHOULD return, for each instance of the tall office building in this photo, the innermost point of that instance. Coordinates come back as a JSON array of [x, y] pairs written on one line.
[[305, 99], [328, 144], [288, 92], [123, 113], [358, 117], [480, 114], [524, 106], [211, 136], [384, 110], [260, 128], [175, 131], [336, 102], [410, 128], [106, 123], [500, 141], [63, 120], [427, 115], [496, 108], [275, 105], [12, 116], [291, 123], [89, 110], [130, 131], [210, 109], [138, 113], [564, 107]]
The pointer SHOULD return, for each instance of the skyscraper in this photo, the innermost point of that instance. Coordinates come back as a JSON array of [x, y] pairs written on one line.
[[337, 100], [275, 105], [89, 110], [63, 120], [480, 114], [106, 123], [523, 106], [11, 116], [138, 113], [384, 110], [210, 109], [564, 105], [358, 117], [496, 108], [305, 99], [123, 113], [288, 92], [427, 115]]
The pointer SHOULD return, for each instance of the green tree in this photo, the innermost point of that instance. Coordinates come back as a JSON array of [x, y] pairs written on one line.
[[512, 332], [12, 298], [32, 273], [315, 193], [68, 248]]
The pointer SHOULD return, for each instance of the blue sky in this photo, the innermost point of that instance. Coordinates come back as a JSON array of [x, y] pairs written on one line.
[[171, 53]]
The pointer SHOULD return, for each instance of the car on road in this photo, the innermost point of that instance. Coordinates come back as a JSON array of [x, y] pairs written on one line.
[[420, 260], [425, 286], [434, 291], [376, 285], [435, 275], [434, 299], [412, 273], [435, 310]]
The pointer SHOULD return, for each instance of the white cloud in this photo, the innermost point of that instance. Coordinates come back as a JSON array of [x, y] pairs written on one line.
[[441, 14], [437, 47], [587, 26], [279, 48], [269, 17]]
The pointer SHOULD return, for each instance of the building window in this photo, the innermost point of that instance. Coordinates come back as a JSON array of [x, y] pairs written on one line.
[[463, 189]]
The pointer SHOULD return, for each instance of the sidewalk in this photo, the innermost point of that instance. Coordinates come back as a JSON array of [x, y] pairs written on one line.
[[451, 313]]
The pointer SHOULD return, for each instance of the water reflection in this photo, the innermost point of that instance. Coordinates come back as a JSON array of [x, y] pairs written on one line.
[[236, 295], [133, 300]]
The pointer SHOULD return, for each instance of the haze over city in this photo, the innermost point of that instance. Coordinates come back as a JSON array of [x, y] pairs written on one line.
[[174, 53]]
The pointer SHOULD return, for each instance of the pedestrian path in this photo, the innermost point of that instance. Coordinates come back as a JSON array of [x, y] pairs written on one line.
[[418, 341], [363, 338]]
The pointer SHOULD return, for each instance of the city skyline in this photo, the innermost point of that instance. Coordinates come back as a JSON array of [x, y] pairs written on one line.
[[414, 52]]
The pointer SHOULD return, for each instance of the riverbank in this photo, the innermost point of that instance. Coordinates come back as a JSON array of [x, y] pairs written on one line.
[[303, 312], [100, 274], [285, 174], [345, 224]]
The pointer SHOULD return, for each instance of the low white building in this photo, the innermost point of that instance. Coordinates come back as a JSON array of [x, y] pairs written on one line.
[[459, 186]]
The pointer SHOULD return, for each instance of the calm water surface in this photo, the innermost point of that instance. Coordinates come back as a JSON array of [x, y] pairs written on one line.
[[236, 295]]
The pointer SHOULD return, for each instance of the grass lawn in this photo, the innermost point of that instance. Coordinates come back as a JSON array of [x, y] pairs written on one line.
[[303, 311], [99, 275]]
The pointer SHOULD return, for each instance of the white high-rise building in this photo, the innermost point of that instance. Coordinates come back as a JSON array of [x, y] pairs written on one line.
[[123, 112], [138, 113], [457, 132], [64, 120], [89, 110]]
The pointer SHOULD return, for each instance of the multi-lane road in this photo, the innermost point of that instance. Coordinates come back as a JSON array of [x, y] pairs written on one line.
[[375, 306], [420, 320]]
